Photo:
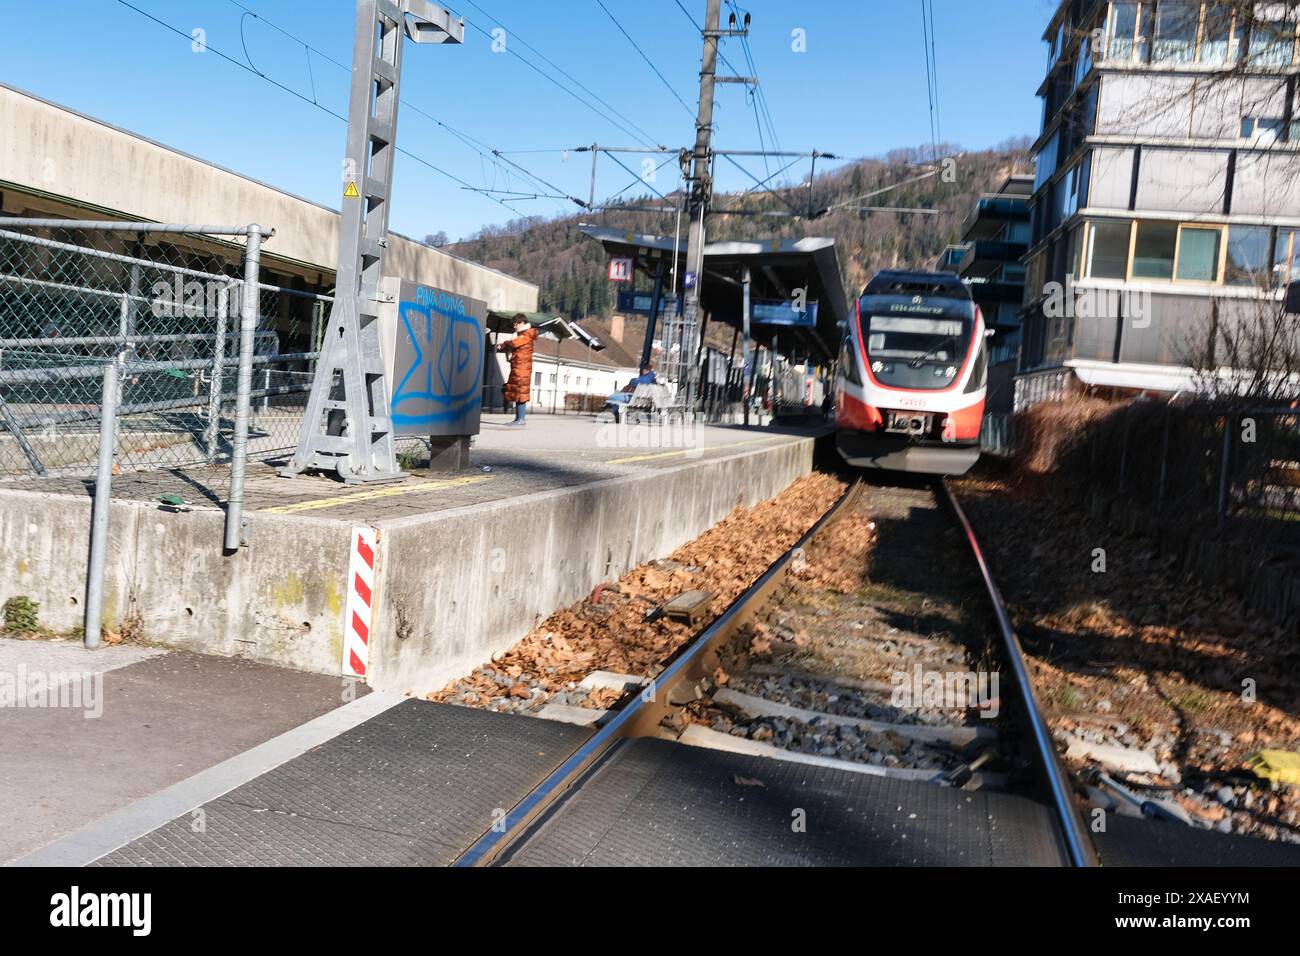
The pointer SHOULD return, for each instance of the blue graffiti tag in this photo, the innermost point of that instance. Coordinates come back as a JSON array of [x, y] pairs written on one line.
[[460, 346]]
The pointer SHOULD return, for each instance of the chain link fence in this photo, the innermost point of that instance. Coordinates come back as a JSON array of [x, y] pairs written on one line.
[[165, 304]]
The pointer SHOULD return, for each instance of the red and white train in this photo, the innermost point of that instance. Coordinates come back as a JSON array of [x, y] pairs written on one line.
[[912, 376]]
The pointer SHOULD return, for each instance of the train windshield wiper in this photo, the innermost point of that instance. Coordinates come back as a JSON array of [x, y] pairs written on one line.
[[916, 362]]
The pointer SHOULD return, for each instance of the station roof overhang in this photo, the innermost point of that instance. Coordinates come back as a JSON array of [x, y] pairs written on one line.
[[777, 267]]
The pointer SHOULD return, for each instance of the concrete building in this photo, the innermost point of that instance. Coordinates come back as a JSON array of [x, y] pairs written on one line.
[[995, 238], [1167, 192], [57, 163]]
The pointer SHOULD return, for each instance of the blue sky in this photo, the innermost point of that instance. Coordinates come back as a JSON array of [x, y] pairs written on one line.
[[857, 90]]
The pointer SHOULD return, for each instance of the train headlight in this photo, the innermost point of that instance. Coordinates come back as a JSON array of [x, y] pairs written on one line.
[[950, 371], [877, 367]]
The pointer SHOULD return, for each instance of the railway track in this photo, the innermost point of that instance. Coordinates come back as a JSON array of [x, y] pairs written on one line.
[[876, 652]]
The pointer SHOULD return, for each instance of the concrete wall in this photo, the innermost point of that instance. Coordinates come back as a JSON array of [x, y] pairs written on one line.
[[457, 586], [279, 600], [453, 587], [114, 174]]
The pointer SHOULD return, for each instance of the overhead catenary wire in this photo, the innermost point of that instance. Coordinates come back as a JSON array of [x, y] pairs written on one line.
[[649, 62], [768, 189], [934, 67], [320, 106], [602, 206], [931, 77], [884, 189], [639, 179], [474, 144], [622, 121], [758, 94], [760, 185]]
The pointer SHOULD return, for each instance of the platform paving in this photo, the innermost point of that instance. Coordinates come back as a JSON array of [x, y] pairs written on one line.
[[412, 786], [550, 452], [163, 717]]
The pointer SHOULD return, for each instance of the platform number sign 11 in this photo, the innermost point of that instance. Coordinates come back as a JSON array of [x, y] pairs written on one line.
[[620, 270]]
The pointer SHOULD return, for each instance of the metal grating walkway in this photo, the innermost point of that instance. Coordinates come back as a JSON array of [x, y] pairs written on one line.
[[412, 786], [1132, 842], [659, 803]]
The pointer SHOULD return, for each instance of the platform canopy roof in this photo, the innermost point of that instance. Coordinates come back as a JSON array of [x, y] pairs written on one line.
[[777, 267]]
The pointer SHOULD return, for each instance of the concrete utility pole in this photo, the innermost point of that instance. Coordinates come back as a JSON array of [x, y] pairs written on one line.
[[701, 192], [348, 423], [701, 186]]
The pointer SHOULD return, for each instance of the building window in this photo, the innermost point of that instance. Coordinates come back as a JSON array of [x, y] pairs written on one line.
[[1175, 35], [1123, 32], [1248, 261], [1272, 36], [1286, 257], [1220, 35], [1153, 252], [1198, 254], [1083, 60], [1262, 130], [537, 379], [1108, 244]]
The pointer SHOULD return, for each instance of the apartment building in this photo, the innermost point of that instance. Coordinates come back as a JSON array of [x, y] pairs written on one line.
[[994, 239], [1167, 188]]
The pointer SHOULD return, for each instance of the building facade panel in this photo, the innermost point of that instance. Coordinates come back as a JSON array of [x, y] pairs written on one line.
[[1182, 199], [1112, 177], [1267, 184], [1183, 180]]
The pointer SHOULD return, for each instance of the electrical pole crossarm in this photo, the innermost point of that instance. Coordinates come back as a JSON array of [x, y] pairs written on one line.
[[428, 23]]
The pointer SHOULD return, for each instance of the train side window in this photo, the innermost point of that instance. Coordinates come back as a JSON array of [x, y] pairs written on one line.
[[980, 373], [848, 361]]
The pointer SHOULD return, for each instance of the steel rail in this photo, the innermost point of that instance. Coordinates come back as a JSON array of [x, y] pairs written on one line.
[[1073, 830], [557, 784]]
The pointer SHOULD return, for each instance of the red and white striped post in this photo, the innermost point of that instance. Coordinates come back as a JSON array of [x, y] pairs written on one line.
[[358, 611]]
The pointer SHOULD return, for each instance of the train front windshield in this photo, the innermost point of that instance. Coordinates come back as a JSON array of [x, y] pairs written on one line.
[[906, 351]]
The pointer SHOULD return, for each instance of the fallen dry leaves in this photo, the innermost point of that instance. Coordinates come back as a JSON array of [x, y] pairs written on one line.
[[608, 630], [1141, 645]]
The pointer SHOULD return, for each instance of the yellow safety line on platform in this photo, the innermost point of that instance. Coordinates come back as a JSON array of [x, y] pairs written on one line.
[[371, 495], [686, 451]]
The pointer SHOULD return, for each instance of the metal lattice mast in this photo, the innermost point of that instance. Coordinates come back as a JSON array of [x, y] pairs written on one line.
[[347, 426]]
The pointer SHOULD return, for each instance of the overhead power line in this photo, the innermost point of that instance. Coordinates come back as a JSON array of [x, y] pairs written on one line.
[[320, 106], [636, 46], [758, 96], [618, 119], [934, 67], [478, 146], [884, 189], [931, 73]]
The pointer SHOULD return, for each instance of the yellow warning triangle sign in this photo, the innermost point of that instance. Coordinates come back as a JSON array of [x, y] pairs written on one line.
[[351, 191]]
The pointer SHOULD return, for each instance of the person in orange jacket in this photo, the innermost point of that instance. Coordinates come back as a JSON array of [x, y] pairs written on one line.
[[519, 385]]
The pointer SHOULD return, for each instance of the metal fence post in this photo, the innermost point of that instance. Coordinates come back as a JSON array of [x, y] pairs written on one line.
[[1123, 451], [124, 318], [94, 622], [1224, 464], [213, 430], [1164, 461], [248, 315]]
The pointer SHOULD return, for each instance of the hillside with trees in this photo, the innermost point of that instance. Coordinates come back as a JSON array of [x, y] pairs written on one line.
[[570, 268]]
